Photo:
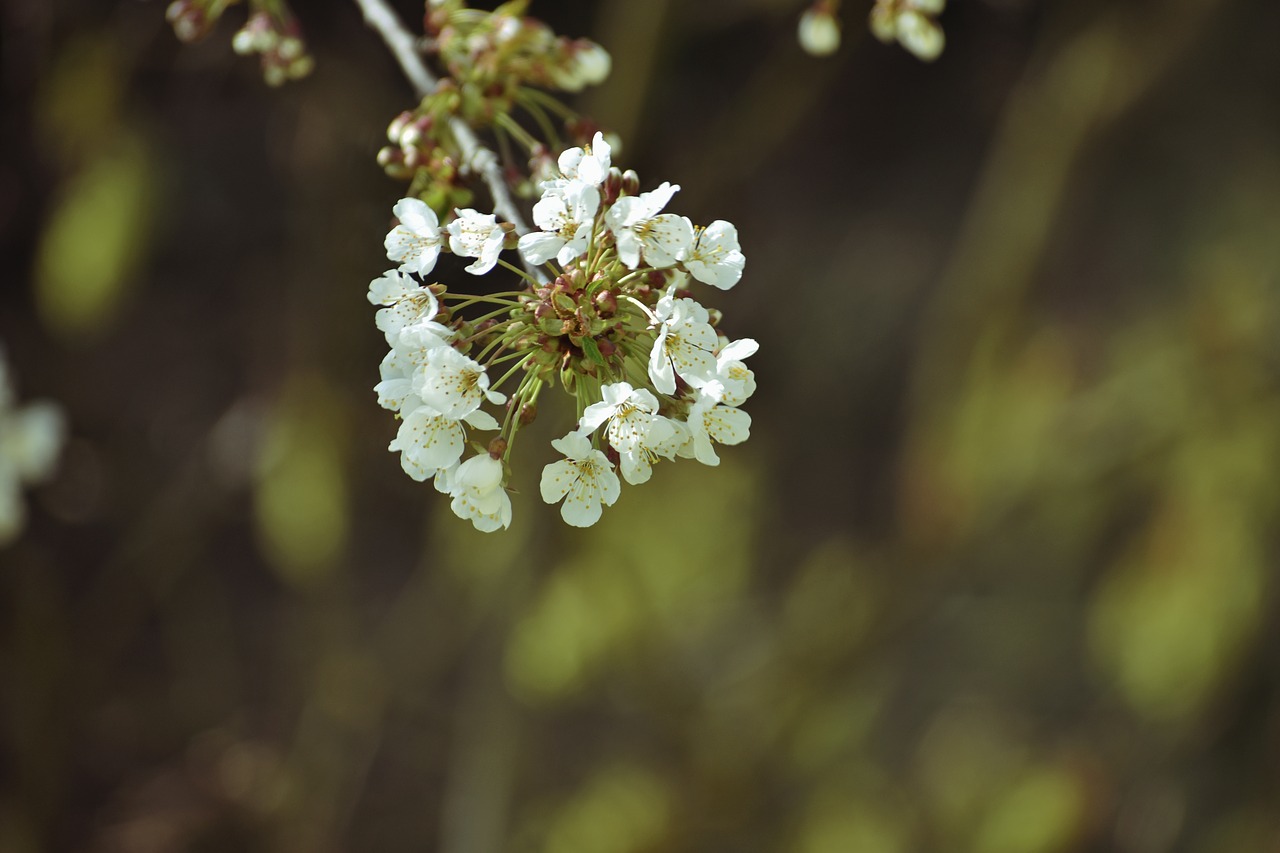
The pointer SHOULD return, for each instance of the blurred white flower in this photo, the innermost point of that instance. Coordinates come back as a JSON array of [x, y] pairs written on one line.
[[819, 32], [31, 438]]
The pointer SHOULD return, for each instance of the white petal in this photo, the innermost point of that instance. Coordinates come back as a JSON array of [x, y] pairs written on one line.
[[661, 372], [666, 239], [557, 478], [538, 247], [738, 350]]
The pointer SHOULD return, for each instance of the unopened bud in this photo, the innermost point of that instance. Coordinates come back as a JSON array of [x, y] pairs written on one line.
[[497, 447], [920, 35], [528, 413], [630, 182], [819, 31], [606, 302]]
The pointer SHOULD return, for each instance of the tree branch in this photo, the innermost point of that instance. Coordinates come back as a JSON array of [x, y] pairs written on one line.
[[475, 156]]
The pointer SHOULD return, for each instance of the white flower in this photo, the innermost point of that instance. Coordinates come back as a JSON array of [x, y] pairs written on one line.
[[638, 227], [589, 164], [415, 242], [628, 411], [710, 421], [478, 495], [407, 302], [635, 428], [453, 384], [30, 439], [684, 346], [476, 235], [819, 32], [408, 354], [428, 441], [588, 64], [715, 257], [585, 479], [564, 214], [733, 381]]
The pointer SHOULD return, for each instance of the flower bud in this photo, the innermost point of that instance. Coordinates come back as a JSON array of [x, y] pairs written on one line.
[[630, 182], [497, 447], [819, 31], [920, 35], [528, 413], [606, 302], [612, 186], [397, 126]]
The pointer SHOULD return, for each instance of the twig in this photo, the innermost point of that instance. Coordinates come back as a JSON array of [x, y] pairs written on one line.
[[475, 156]]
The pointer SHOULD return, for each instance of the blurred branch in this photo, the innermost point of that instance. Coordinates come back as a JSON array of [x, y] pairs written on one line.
[[404, 47]]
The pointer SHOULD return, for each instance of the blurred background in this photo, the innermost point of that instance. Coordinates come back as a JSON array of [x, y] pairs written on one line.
[[995, 572]]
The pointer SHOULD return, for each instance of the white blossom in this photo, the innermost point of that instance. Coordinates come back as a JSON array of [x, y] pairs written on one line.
[[588, 64], [414, 243], [30, 440], [565, 214], [685, 343], [478, 494], [639, 228], [476, 235], [407, 355], [715, 257], [589, 164], [407, 303], [634, 428], [713, 423], [429, 441], [584, 479], [453, 384], [732, 381]]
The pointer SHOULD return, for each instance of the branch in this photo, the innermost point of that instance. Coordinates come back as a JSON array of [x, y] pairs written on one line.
[[475, 156]]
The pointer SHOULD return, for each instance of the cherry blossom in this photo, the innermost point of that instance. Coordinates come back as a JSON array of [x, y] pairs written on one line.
[[476, 235], [639, 228], [415, 242], [584, 479], [715, 257], [453, 384]]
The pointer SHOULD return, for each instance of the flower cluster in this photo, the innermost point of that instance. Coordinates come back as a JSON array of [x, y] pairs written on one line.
[[496, 62], [30, 438], [272, 32], [604, 311], [912, 23]]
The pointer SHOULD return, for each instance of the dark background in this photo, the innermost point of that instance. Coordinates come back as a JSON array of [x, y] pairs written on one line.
[[995, 572]]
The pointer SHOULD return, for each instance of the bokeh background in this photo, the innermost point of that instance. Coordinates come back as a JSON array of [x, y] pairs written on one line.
[[995, 573]]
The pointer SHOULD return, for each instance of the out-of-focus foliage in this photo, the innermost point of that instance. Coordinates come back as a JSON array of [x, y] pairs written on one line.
[[997, 572]]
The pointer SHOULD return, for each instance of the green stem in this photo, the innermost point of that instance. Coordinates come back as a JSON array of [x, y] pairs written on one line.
[[547, 101], [519, 365], [524, 275], [511, 126]]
